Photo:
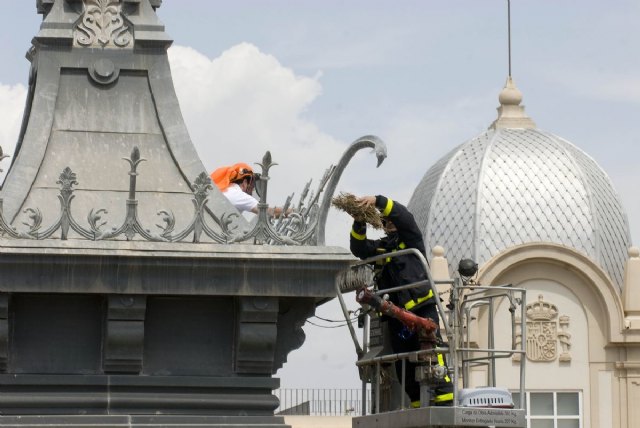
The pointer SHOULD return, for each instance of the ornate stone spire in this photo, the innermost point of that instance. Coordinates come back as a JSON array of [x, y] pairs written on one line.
[[109, 89], [510, 113]]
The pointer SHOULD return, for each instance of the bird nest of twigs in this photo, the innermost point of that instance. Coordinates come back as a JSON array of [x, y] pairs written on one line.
[[349, 204]]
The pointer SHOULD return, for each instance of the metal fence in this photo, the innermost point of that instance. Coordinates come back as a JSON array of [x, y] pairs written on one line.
[[321, 402]]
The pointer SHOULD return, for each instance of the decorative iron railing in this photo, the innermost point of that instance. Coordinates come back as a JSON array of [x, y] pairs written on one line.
[[296, 230], [303, 226]]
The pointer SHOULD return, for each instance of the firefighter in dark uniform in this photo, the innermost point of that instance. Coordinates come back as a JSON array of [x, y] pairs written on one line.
[[401, 232]]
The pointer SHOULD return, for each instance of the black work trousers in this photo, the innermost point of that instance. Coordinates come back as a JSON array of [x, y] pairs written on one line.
[[404, 341]]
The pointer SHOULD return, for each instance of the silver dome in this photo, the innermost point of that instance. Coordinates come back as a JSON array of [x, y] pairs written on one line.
[[511, 186]]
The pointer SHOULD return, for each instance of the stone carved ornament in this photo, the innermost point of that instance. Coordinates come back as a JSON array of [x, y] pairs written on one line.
[[102, 25], [544, 332], [2, 156]]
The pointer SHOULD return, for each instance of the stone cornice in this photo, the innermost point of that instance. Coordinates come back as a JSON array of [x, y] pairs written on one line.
[[178, 269]]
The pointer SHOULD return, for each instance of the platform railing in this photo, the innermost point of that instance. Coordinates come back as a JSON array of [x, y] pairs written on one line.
[[465, 297], [321, 401]]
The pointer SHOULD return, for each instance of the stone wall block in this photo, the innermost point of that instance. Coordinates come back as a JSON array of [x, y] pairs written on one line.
[[124, 334], [256, 334], [4, 332]]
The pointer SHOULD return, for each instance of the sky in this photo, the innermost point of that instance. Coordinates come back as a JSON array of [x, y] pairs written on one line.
[[304, 79]]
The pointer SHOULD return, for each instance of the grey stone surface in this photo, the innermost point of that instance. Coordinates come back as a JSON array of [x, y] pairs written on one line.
[[444, 417], [172, 318], [159, 421], [122, 331], [136, 395], [77, 266]]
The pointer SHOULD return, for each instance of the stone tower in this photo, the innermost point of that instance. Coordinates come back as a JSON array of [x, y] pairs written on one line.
[[106, 318]]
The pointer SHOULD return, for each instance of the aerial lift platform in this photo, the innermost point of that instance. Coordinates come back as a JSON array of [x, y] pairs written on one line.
[[487, 406]]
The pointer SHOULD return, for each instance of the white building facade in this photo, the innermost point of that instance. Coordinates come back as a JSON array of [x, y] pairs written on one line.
[[536, 212]]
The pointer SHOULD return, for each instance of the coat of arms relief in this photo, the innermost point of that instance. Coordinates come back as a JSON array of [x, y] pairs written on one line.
[[544, 331]]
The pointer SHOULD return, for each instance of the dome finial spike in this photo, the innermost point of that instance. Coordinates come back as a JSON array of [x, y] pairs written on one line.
[[510, 113], [509, 33]]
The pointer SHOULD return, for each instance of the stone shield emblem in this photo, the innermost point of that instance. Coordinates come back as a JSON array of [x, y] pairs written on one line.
[[543, 333], [542, 340]]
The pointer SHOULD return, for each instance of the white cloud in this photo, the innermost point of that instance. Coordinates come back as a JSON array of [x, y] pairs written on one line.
[[243, 103], [12, 99]]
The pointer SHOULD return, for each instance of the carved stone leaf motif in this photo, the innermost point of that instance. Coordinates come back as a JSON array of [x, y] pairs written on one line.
[[543, 333], [201, 186], [102, 25], [67, 180]]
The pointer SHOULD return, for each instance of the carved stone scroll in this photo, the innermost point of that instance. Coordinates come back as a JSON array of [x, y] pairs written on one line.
[[291, 318], [102, 25], [124, 337]]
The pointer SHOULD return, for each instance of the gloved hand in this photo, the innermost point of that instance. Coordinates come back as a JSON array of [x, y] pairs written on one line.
[[365, 201]]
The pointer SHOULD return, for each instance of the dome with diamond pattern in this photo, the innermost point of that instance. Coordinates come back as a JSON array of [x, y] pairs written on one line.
[[516, 184]]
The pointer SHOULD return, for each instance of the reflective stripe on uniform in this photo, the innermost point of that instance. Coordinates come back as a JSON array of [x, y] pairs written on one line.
[[441, 362], [358, 236], [388, 208], [443, 397], [401, 246], [412, 303]]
